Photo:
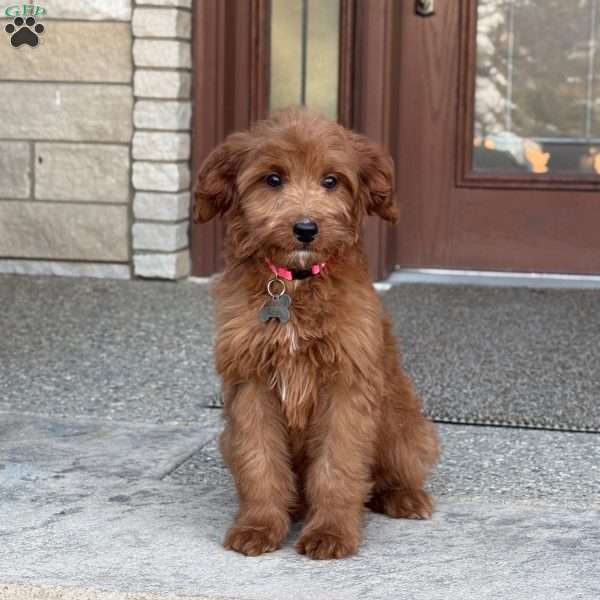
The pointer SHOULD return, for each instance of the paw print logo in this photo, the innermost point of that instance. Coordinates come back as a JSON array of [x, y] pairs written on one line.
[[24, 31]]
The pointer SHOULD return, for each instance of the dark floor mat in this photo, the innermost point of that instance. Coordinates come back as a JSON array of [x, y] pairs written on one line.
[[502, 355], [143, 351]]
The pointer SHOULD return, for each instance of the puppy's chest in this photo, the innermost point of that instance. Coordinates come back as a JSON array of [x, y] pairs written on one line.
[[298, 329], [295, 376], [291, 358], [287, 347], [294, 363]]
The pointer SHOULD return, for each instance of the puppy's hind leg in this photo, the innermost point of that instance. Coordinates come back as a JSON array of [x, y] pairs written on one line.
[[406, 453]]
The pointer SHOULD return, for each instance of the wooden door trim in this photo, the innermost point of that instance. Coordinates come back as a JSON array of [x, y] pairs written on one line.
[[347, 62], [465, 176], [231, 89], [368, 48]]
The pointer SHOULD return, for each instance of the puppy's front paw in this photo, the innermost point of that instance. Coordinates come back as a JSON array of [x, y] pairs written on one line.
[[321, 545], [403, 504], [252, 540]]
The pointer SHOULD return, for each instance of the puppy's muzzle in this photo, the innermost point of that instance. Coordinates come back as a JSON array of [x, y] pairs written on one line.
[[305, 231]]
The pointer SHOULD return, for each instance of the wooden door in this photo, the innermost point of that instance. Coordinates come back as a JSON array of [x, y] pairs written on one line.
[[232, 73], [497, 138]]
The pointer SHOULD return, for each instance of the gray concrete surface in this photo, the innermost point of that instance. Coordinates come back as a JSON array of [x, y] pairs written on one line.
[[54, 592], [143, 350], [491, 464], [97, 504], [111, 486]]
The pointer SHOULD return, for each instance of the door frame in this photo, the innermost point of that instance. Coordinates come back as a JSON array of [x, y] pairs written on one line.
[[231, 90], [370, 46]]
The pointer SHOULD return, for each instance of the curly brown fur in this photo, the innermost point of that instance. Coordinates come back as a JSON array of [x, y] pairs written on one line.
[[321, 419]]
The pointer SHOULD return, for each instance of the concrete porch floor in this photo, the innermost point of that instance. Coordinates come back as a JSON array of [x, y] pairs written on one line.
[[111, 486], [116, 506]]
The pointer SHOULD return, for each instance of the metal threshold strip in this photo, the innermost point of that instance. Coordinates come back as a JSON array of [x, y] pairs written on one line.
[[516, 424], [492, 278]]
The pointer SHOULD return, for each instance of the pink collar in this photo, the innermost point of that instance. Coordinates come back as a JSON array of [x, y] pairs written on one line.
[[295, 274]]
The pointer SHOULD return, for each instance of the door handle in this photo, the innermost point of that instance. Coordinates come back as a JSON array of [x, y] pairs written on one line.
[[425, 8]]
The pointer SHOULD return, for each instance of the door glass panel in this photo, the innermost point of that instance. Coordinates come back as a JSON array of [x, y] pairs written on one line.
[[305, 55], [537, 91]]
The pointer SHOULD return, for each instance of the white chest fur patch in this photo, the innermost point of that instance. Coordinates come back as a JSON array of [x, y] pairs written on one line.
[[277, 380], [292, 336], [277, 383]]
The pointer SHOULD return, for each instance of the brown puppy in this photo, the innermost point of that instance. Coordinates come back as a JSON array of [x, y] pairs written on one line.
[[320, 417]]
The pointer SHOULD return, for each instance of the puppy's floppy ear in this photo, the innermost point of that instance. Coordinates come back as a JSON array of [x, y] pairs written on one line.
[[376, 174], [215, 191]]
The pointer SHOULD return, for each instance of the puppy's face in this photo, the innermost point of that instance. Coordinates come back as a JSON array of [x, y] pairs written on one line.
[[294, 189]]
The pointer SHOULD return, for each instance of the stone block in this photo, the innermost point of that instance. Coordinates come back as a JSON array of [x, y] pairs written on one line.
[[15, 170], [84, 172], [175, 115], [161, 207], [73, 112], [162, 84], [154, 145], [64, 231], [179, 3], [65, 268], [162, 23], [163, 237], [89, 10], [161, 177], [162, 53], [162, 266], [73, 51]]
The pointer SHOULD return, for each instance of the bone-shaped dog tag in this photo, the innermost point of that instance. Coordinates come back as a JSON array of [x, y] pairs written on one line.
[[278, 308]]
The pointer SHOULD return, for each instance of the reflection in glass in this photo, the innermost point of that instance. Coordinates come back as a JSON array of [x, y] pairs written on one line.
[[305, 54], [537, 97]]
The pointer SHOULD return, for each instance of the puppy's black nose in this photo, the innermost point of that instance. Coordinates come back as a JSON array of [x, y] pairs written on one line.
[[305, 231]]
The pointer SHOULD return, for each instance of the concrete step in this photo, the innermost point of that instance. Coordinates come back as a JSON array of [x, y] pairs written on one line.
[[91, 506]]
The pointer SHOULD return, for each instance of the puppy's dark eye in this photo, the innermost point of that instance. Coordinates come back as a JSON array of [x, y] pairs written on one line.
[[329, 182], [273, 180]]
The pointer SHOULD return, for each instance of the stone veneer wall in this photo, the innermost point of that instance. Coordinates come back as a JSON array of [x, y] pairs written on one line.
[[72, 201], [162, 31], [65, 141]]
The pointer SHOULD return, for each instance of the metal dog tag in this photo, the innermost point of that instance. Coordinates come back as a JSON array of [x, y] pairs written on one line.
[[279, 306]]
